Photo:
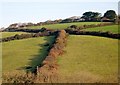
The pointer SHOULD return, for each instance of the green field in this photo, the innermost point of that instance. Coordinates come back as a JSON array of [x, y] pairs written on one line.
[[86, 59], [112, 28], [7, 34], [89, 59], [64, 25], [0, 62], [19, 54]]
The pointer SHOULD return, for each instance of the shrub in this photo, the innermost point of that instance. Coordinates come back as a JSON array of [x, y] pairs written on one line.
[[73, 26]]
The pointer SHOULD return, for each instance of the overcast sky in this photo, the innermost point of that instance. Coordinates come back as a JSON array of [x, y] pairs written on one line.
[[24, 11]]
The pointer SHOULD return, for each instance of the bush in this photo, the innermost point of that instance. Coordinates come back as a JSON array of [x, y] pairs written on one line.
[[73, 26]]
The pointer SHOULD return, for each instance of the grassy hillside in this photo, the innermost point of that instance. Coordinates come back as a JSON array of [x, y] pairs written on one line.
[[7, 34], [0, 62], [112, 28], [63, 25], [89, 59], [19, 54]]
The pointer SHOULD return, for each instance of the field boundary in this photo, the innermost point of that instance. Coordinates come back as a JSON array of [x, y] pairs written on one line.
[[90, 26], [26, 30], [25, 36], [94, 33], [47, 72]]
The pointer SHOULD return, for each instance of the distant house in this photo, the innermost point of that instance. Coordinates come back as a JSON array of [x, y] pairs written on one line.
[[73, 19], [104, 19], [17, 25], [1, 29], [81, 19]]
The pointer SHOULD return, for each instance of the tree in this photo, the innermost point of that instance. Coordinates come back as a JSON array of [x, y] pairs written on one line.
[[110, 14], [91, 16]]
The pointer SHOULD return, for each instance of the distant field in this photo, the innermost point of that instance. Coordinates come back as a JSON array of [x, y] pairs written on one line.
[[7, 34], [89, 59], [64, 25], [112, 28], [19, 54]]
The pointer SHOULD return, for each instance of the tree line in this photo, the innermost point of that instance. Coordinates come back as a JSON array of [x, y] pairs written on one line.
[[109, 16]]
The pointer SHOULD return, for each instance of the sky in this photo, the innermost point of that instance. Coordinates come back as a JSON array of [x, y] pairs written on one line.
[[36, 11]]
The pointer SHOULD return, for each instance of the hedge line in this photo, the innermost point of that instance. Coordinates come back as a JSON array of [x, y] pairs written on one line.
[[25, 36], [45, 29], [27, 30], [90, 26], [49, 66], [94, 33]]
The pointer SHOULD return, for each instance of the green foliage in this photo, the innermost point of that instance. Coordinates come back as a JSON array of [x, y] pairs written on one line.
[[110, 14], [91, 16]]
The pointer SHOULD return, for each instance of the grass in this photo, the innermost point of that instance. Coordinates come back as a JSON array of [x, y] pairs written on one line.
[[0, 63], [89, 59], [112, 28], [63, 25], [19, 54], [7, 34]]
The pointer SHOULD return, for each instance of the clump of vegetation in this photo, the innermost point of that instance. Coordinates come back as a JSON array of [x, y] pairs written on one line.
[[18, 77]]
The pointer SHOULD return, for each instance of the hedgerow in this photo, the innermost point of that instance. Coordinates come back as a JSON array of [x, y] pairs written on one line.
[[75, 27], [49, 67], [94, 33], [25, 36]]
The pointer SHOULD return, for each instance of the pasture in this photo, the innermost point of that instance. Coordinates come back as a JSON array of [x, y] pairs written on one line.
[[8, 34], [63, 25], [112, 28], [89, 59], [20, 54]]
